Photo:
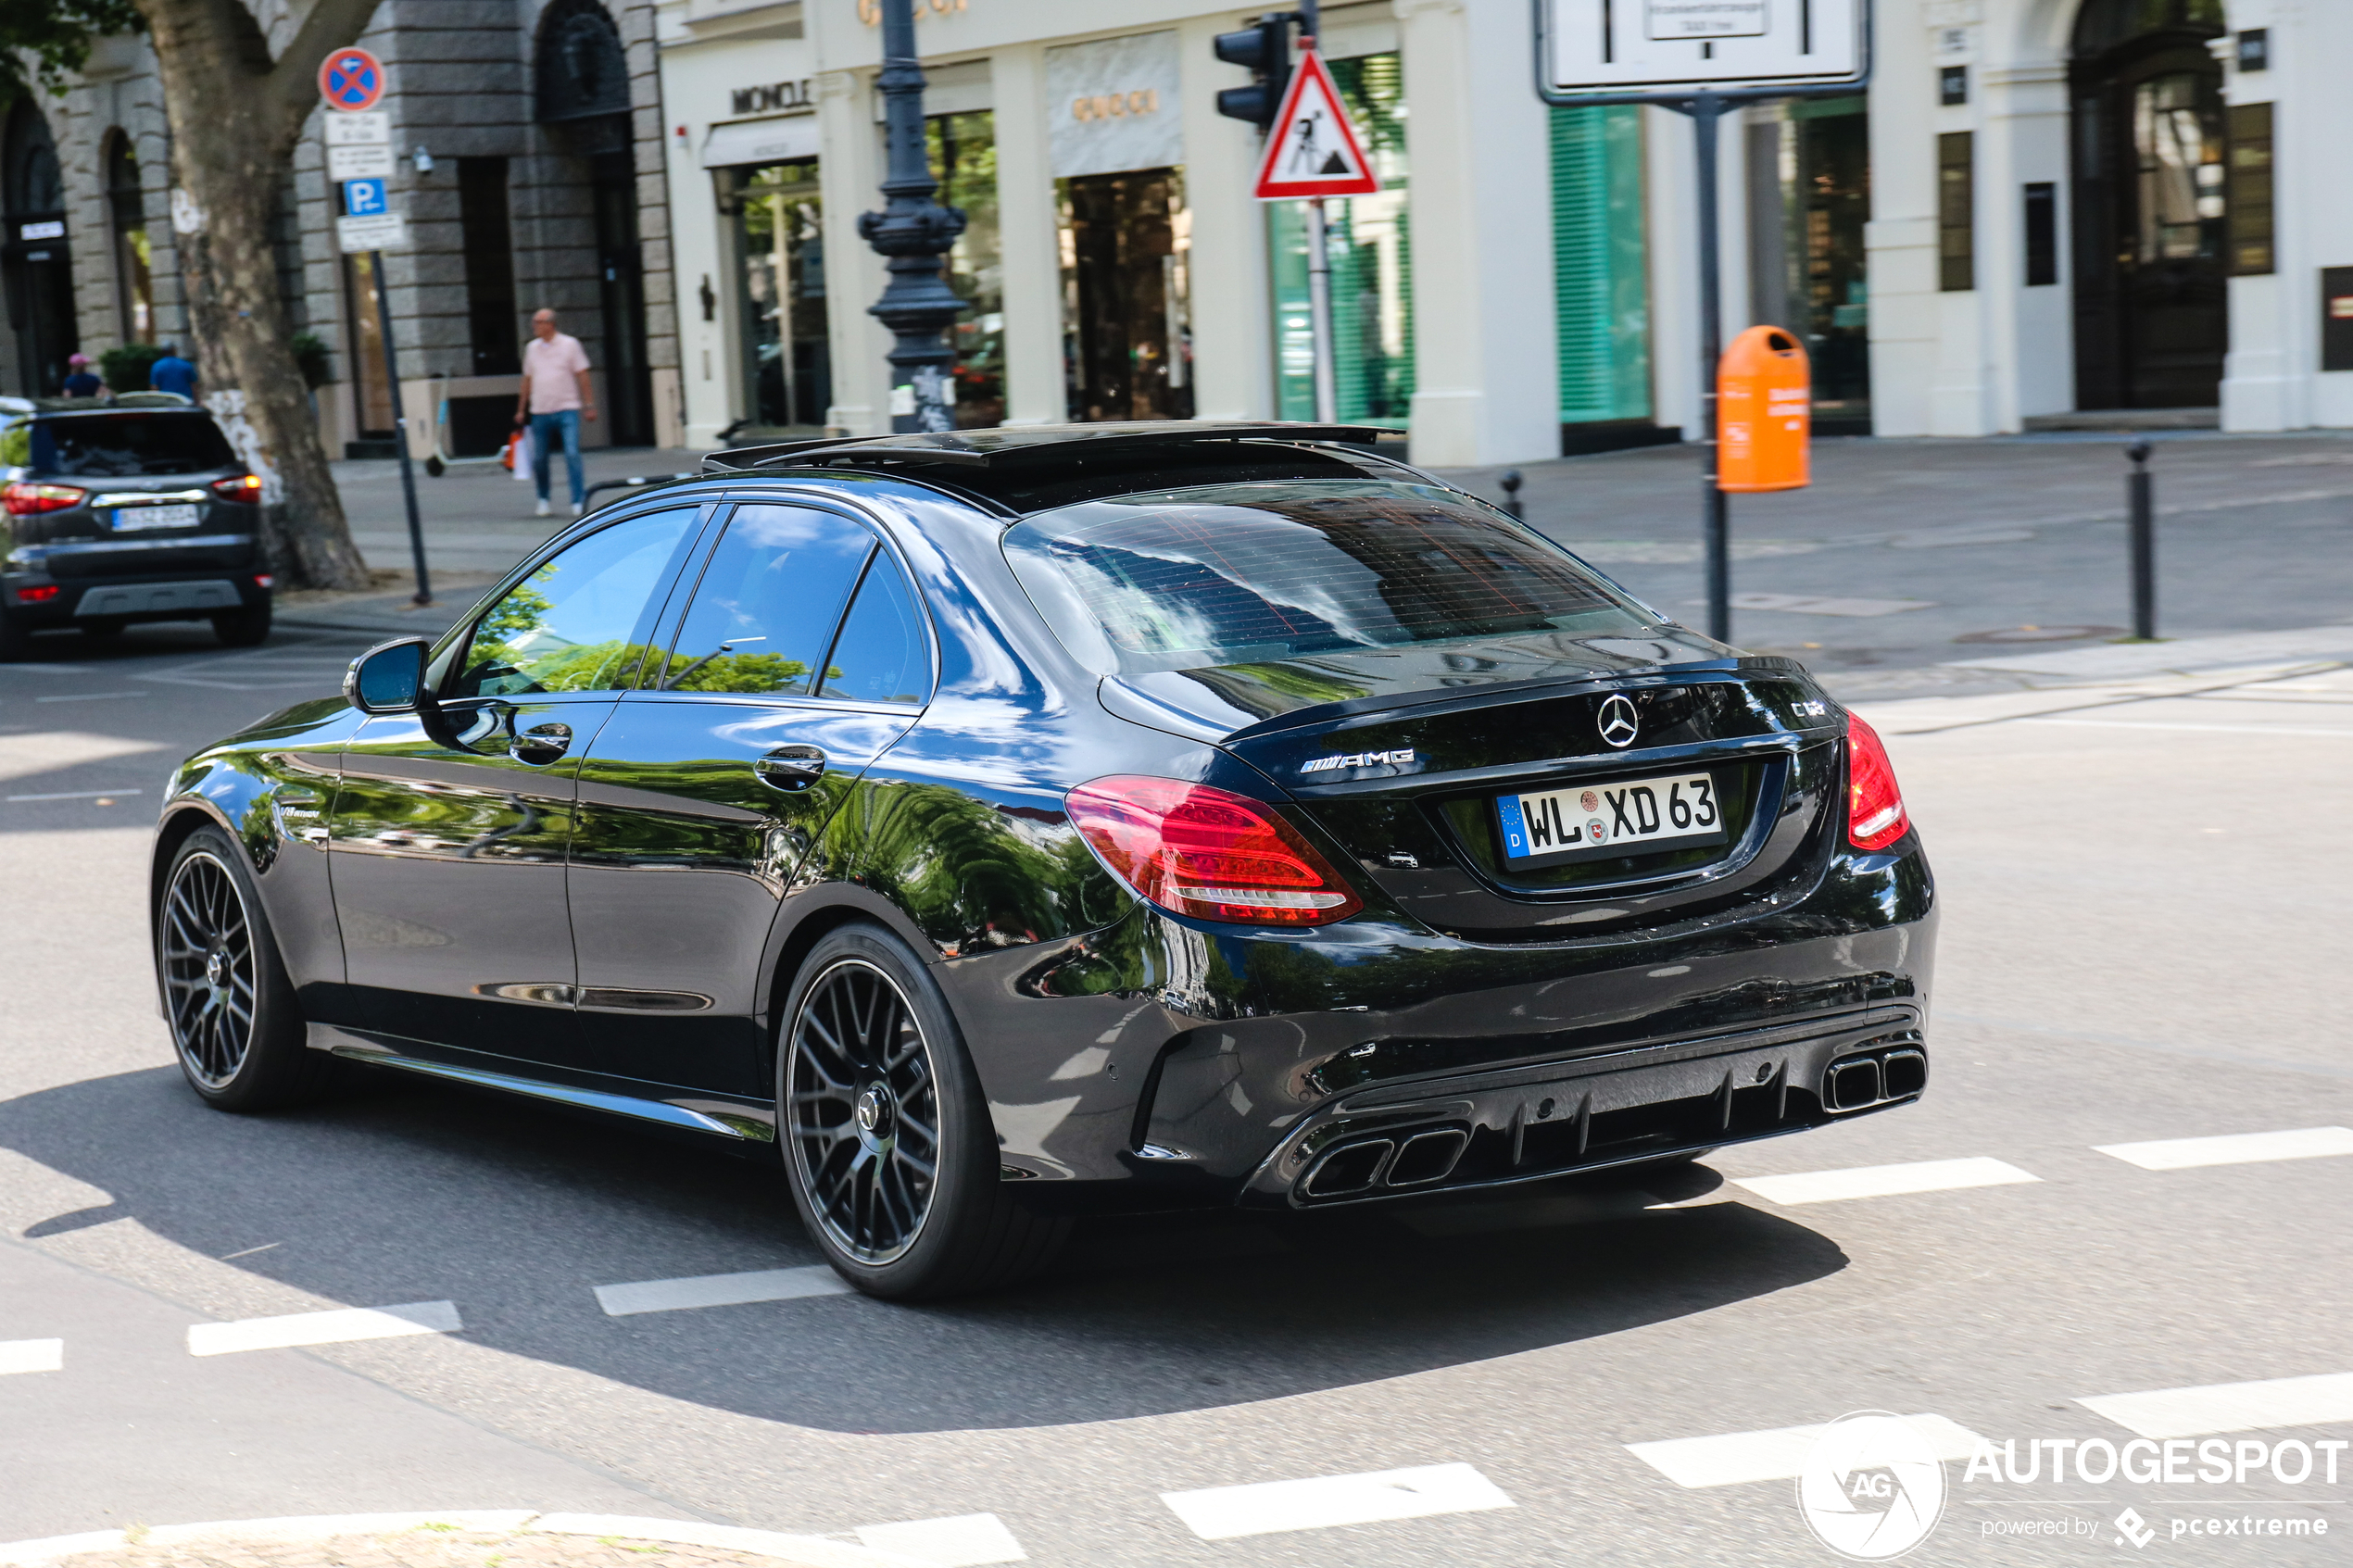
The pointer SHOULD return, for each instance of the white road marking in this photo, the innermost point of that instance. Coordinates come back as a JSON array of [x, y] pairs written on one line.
[[91, 697], [719, 1290], [337, 1327], [79, 795], [31, 1355], [2230, 1406], [1884, 1180], [53, 751], [1813, 604], [815, 1551], [1218, 1513], [1778, 1455], [2202, 729], [2232, 1148], [966, 1541]]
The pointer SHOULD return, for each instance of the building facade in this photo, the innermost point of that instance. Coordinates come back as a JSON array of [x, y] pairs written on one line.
[[527, 136], [2041, 209]]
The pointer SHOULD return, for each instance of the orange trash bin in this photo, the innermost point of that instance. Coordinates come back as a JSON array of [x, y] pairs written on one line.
[[1764, 413]]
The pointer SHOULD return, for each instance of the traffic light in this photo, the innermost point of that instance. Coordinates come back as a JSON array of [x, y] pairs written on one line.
[[1264, 49]]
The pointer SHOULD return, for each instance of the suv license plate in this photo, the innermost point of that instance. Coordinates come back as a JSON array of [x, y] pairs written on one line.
[[1675, 810], [128, 520]]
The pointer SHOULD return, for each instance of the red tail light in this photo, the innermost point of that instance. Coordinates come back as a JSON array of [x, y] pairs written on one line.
[[1198, 851], [23, 500], [245, 487], [1875, 815], [40, 596]]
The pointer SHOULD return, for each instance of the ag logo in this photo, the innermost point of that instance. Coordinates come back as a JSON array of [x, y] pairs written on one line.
[[1617, 721], [1873, 1487]]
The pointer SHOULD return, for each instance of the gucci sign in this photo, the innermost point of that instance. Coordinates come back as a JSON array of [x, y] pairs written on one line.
[[1115, 105]]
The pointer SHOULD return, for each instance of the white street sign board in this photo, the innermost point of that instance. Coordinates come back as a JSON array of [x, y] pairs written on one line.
[[1671, 45], [384, 230], [371, 126], [369, 160]]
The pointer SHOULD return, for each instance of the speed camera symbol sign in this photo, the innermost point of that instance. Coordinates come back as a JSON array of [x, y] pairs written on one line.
[[351, 80]]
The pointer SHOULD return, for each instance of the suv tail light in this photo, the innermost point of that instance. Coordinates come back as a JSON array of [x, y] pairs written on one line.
[[245, 487], [1875, 815], [1204, 852], [23, 500]]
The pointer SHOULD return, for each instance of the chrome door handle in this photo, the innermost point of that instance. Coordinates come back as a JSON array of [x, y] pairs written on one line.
[[541, 744], [791, 766]]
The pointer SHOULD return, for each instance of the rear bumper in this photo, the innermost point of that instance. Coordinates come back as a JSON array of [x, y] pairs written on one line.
[[1160, 1064], [189, 593]]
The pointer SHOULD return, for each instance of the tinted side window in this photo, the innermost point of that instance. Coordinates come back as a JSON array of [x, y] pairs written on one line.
[[880, 656], [767, 602], [571, 625]]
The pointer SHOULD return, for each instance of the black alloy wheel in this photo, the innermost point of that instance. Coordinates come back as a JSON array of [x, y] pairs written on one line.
[[863, 1110], [209, 984], [888, 1140], [236, 1025]]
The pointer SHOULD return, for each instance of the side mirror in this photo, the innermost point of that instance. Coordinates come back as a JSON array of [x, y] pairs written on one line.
[[388, 678]]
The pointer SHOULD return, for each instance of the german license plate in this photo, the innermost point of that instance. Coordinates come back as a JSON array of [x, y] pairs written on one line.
[[129, 520], [1589, 821]]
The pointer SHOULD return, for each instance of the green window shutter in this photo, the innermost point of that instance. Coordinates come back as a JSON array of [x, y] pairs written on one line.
[[1600, 289]]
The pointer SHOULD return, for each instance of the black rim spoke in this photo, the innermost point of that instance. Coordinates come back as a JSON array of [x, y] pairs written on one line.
[[861, 1110]]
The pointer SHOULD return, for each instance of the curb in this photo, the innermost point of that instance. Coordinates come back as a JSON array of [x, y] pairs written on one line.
[[801, 1552]]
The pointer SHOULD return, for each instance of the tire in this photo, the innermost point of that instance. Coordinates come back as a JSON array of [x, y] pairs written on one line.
[[235, 1024], [243, 628], [874, 1089], [16, 642]]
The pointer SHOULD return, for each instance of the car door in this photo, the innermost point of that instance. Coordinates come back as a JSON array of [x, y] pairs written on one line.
[[706, 788], [447, 837]]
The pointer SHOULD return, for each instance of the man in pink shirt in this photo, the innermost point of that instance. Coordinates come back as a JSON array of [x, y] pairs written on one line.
[[554, 397]]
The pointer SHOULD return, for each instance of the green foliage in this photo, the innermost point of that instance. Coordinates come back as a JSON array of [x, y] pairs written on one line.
[[311, 353], [46, 41], [125, 366], [745, 673]]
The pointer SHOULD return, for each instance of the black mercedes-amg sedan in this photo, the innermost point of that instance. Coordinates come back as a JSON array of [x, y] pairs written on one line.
[[1007, 824]]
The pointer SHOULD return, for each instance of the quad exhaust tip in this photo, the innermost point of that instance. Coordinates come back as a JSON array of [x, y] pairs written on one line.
[[1861, 1082], [1417, 1161]]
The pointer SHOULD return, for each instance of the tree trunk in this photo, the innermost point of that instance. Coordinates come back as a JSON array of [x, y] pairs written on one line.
[[236, 117]]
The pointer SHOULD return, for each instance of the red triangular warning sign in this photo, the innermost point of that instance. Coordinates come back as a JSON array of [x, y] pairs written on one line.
[[1312, 150]]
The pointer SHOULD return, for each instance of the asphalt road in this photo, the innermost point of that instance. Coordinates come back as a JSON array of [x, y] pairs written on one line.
[[2147, 922]]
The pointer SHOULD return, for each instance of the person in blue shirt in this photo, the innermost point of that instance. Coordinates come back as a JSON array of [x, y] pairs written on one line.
[[80, 382], [172, 373]]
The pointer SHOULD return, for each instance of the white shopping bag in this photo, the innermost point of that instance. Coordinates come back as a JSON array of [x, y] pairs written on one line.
[[523, 454]]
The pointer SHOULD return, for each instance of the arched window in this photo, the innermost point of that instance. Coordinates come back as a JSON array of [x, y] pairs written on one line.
[[582, 68], [126, 213], [36, 272], [33, 184]]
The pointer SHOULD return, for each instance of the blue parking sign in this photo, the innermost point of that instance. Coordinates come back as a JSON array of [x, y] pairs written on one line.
[[364, 198]]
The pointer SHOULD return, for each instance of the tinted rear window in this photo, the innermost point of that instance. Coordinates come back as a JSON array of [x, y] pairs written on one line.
[[1243, 573], [128, 445]]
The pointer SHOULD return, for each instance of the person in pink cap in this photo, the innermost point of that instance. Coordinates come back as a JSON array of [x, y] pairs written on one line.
[[80, 382]]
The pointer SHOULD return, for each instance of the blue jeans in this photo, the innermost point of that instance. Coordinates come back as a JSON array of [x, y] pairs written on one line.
[[544, 434]]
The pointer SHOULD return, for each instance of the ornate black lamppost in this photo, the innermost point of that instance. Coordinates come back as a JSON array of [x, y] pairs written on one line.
[[915, 232]]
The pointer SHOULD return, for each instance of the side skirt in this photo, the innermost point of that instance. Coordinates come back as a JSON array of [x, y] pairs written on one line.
[[741, 1121]]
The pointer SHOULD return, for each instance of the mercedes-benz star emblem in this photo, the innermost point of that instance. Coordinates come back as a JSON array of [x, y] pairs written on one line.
[[1617, 722], [870, 1110]]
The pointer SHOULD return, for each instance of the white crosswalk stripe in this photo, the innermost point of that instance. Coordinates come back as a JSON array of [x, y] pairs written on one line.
[[1219, 1513], [1883, 1181], [1734, 1457], [719, 1290], [966, 1541], [2232, 1148], [2230, 1406], [31, 1355], [339, 1327]]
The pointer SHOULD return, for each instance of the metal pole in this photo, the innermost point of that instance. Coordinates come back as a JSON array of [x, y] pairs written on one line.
[[915, 232], [1319, 312], [1707, 110], [1511, 482], [2137, 487], [400, 427]]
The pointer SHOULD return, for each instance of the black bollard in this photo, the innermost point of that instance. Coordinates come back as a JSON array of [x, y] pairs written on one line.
[[2137, 488], [1511, 482]]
